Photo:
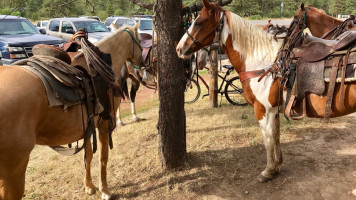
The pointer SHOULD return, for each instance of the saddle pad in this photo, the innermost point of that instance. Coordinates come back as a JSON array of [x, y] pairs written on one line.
[[57, 93], [349, 77], [310, 78]]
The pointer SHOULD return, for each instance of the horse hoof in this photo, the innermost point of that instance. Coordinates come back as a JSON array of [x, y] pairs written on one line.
[[105, 196], [263, 179], [120, 124], [89, 191]]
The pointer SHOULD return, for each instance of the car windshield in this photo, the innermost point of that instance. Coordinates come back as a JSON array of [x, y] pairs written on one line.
[[17, 27], [91, 26], [145, 25]]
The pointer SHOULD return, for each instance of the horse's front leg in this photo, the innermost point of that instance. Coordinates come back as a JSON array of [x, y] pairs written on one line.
[[118, 115], [88, 183], [135, 85], [104, 156], [268, 122]]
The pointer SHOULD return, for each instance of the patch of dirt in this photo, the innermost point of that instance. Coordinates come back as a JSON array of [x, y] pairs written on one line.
[[225, 155]]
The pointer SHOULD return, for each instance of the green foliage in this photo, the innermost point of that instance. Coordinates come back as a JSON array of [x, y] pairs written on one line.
[[255, 17], [256, 9]]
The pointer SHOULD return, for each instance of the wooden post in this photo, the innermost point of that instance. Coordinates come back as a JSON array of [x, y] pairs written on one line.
[[213, 84]]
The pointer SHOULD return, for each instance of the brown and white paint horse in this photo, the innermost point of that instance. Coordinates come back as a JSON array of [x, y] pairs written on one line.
[[27, 120], [251, 50]]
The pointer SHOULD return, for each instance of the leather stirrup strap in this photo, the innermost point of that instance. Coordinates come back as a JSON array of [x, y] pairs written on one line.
[[331, 88], [343, 75]]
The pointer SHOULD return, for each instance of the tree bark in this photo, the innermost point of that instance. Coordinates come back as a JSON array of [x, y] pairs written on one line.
[[213, 84], [172, 121]]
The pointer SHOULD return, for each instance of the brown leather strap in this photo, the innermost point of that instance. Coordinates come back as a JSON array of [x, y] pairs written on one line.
[[343, 74], [331, 88], [251, 74]]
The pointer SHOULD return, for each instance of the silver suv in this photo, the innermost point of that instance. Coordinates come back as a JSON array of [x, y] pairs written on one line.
[[119, 21], [145, 25], [66, 27]]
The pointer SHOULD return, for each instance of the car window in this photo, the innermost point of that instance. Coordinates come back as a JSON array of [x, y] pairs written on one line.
[[145, 24], [108, 22], [130, 22], [91, 26], [66, 26], [120, 22], [38, 24], [17, 26], [44, 24], [54, 26]]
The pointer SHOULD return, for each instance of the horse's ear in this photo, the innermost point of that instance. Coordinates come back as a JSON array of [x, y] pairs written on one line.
[[115, 26], [137, 25], [302, 6], [206, 4], [269, 21], [310, 5]]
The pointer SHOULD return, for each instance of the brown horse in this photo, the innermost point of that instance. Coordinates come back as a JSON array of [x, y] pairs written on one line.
[[27, 120], [319, 23], [252, 51]]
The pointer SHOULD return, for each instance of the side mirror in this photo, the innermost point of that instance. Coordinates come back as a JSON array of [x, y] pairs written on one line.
[[42, 31], [70, 31]]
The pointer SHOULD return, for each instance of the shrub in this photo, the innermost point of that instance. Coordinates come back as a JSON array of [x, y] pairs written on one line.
[[255, 17]]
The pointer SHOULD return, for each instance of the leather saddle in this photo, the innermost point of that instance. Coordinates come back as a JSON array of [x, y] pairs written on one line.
[[62, 74], [308, 66], [146, 44], [315, 49]]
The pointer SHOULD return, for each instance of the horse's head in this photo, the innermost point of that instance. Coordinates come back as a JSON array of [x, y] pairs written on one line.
[[135, 53], [203, 31], [308, 13]]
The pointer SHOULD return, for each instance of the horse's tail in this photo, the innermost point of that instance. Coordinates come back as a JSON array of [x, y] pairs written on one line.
[[125, 89]]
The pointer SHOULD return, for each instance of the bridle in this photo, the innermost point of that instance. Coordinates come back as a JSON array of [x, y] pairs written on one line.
[[133, 48], [218, 28]]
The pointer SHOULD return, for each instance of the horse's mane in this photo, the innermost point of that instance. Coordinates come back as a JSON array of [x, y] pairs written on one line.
[[323, 13], [118, 32], [253, 44]]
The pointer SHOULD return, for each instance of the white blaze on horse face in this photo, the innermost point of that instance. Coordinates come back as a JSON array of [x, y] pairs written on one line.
[[182, 46]]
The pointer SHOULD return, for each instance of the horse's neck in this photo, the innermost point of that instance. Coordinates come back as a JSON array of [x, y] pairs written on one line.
[[117, 46], [256, 49], [321, 24]]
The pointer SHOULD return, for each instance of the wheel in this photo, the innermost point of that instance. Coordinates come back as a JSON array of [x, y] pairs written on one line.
[[233, 92], [192, 92]]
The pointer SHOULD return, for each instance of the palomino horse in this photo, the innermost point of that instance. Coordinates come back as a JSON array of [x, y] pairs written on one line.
[[319, 23], [123, 45], [26, 119], [127, 71], [252, 51]]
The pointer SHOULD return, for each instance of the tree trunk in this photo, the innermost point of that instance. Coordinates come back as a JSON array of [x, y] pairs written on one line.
[[172, 122]]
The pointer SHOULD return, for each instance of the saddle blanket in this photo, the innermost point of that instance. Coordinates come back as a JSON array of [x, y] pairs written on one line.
[[349, 77]]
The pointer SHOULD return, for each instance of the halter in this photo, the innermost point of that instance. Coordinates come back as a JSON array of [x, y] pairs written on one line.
[[305, 15], [133, 48], [218, 28]]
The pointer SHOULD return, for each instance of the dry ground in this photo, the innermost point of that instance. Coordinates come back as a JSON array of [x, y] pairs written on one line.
[[225, 155]]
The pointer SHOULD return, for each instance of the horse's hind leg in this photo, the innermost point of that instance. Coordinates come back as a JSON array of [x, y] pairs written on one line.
[[277, 149], [269, 130], [135, 85], [12, 178], [88, 183], [104, 156]]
